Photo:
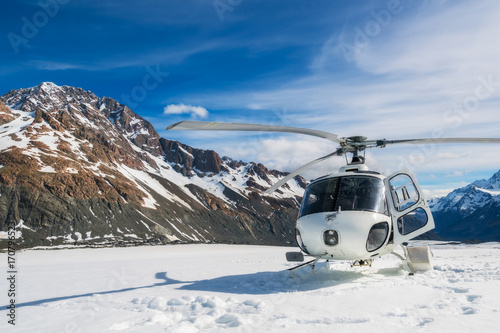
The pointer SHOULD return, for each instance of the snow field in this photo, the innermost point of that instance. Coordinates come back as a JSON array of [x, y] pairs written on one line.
[[237, 288], [191, 314]]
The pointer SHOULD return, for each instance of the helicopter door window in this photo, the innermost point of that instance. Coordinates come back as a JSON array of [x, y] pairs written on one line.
[[412, 221], [404, 192]]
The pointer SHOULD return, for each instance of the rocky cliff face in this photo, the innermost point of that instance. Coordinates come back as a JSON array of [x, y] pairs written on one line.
[[471, 212], [75, 167]]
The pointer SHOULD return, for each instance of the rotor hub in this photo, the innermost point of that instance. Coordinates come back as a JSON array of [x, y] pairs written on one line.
[[356, 139]]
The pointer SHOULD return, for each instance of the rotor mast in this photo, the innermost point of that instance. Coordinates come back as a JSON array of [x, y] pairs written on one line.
[[354, 145]]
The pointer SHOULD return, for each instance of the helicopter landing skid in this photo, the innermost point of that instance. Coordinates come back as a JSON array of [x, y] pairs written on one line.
[[366, 262], [311, 263], [416, 258]]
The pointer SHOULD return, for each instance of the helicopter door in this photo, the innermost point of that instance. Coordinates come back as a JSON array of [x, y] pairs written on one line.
[[410, 212]]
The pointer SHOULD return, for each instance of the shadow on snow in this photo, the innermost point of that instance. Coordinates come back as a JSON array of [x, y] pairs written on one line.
[[280, 282], [260, 283]]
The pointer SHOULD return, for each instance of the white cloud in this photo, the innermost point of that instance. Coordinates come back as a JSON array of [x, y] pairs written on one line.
[[194, 111], [456, 174], [287, 153], [438, 193], [434, 41]]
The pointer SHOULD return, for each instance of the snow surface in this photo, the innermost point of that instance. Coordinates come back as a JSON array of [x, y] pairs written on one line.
[[14, 128], [237, 288], [492, 193]]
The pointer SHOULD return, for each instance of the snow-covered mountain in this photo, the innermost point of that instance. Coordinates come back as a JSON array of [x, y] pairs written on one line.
[[471, 212], [75, 167]]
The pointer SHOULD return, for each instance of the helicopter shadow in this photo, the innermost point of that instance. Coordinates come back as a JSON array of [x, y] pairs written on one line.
[[160, 276], [261, 283], [265, 283]]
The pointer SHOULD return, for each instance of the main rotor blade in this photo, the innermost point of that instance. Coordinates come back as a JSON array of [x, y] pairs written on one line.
[[439, 140], [216, 126], [299, 170]]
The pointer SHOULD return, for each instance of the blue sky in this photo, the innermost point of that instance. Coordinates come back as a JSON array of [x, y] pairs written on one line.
[[382, 69]]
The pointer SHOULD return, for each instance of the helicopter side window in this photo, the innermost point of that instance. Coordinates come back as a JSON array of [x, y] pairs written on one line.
[[360, 193], [319, 197]]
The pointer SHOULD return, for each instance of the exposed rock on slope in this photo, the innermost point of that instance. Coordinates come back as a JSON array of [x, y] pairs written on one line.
[[78, 168]]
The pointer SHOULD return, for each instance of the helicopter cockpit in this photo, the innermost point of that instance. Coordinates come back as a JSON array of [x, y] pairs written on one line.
[[345, 193]]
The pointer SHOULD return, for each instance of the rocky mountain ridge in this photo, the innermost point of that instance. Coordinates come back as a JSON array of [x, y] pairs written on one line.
[[75, 167]]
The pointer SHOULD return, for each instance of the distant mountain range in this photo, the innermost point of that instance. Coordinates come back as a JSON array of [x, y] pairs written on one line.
[[78, 168], [75, 167], [470, 213]]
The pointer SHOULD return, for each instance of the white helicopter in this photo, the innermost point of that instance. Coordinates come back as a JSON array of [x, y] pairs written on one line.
[[356, 214]]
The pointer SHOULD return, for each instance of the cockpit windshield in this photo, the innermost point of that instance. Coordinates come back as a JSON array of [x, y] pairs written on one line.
[[360, 193]]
